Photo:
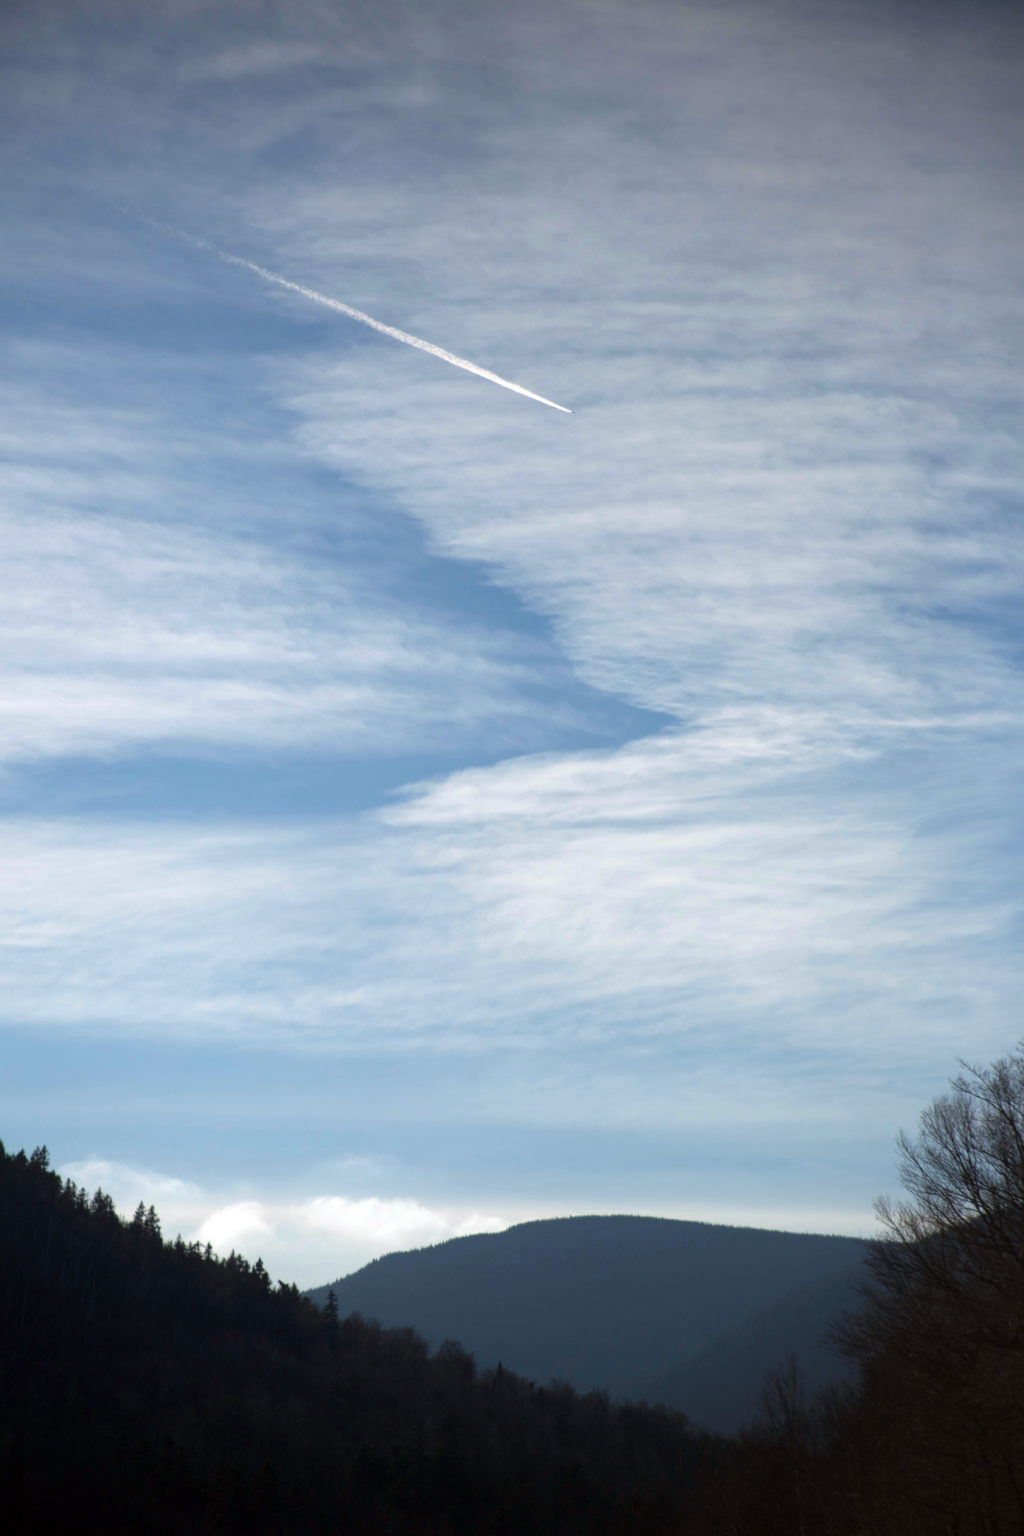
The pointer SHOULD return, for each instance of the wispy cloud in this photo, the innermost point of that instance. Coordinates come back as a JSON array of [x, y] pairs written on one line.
[[127, 626], [627, 900], [126, 636], [778, 270]]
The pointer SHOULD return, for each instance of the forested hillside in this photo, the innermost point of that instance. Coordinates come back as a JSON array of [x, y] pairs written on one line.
[[613, 1302], [151, 1388], [721, 1386]]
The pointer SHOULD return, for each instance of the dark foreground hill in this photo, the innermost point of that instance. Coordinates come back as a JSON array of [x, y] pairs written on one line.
[[149, 1387], [622, 1303]]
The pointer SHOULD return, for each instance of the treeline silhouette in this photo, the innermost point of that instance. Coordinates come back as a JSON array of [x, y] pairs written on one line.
[[929, 1441], [152, 1387]]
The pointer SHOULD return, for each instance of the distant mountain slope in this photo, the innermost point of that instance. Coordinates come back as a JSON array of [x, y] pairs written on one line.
[[720, 1386], [597, 1301]]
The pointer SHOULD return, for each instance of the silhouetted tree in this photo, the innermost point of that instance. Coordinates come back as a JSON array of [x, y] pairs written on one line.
[[940, 1338]]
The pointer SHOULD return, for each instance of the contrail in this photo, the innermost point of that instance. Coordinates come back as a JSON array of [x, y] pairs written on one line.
[[358, 314]]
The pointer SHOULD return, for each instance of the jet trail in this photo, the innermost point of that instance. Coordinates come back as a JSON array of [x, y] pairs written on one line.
[[364, 319]]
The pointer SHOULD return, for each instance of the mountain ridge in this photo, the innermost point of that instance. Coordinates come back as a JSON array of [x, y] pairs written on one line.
[[618, 1303]]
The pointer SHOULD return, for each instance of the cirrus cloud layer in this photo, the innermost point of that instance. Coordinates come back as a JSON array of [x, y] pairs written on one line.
[[686, 732]]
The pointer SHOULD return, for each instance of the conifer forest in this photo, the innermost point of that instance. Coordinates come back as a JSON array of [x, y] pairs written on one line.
[[151, 1386]]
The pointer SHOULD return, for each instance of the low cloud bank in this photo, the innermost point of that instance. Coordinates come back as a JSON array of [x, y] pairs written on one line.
[[307, 1241]]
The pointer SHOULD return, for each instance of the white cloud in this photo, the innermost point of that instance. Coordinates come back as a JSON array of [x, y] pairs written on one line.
[[780, 283], [396, 1223], [181, 1204], [130, 624], [780, 516], [241, 1223], [127, 1185], [735, 881], [734, 563], [306, 1239], [317, 1238], [780, 483]]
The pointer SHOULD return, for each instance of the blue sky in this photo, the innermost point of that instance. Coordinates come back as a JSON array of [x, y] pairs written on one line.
[[421, 809]]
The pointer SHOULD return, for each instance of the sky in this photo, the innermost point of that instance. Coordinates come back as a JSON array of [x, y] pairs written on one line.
[[421, 809]]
